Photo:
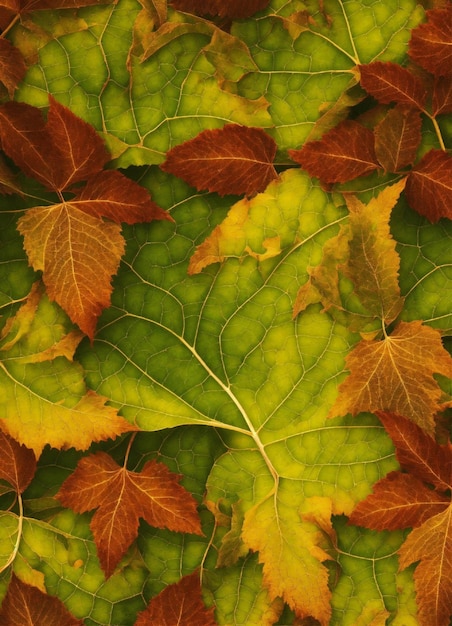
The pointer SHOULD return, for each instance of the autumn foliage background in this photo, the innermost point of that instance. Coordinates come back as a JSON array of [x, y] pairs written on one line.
[[225, 291]]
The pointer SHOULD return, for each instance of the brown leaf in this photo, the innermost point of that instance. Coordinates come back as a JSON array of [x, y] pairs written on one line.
[[396, 374], [430, 43], [429, 186], [232, 160], [397, 138], [12, 66], [17, 463], [8, 183], [121, 497], [344, 153], [25, 605], [390, 82], [442, 95], [180, 604], [224, 8]]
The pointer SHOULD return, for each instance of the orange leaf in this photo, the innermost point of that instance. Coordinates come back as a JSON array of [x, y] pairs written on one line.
[[224, 8], [179, 604], [232, 160], [345, 152], [390, 82], [121, 497], [78, 255], [397, 138], [396, 374], [17, 463], [430, 43], [25, 605], [429, 186], [12, 66]]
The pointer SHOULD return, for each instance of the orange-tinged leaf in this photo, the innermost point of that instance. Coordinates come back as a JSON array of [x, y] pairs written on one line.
[[121, 497], [179, 604], [431, 546], [429, 186], [224, 8], [389, 82], [58, 152], [430, 43], [25, 605], [396, 374], [12, 66], [397, 138], [17, 463], [344, 153], [78, 255], [232, 160]]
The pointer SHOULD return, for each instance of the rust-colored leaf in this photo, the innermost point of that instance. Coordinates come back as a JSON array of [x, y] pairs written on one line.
[[397, 138], [396, 374], [25, 605], [179, 604], [442, 95], [430, 43], [12, 66], [232, 160], [344, 153], [121, 497], [224, 8], [429, 186], [389, 82], [17, 463]]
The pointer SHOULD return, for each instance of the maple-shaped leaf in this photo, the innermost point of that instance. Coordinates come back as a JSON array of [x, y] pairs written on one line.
[[402, 500], [121, 497], [429, 186], [397, 138], [12, 66], [232, 160], [364, 252], [17, 463], [344, 153], [390, 82], [70, 242], [179, 604], [25, 605], [44, 398], [396, 374], [430, 43], [224, 8]]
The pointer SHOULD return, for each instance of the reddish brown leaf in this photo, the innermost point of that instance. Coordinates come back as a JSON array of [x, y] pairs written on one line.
[[345, 152], [430, 43], [389, 82], [25, 605], [12, 66], [442, 95], [62, 151], [8, 183], [397, 138], [224, 8], [429, 186], [17, 463], [232, 160], [180, 604], [121, 497]]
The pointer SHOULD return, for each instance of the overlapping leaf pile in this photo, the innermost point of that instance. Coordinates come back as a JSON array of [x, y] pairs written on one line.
[[226, 286]]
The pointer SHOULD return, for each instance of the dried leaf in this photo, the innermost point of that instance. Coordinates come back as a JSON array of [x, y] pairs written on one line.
[[397, 138], [224, 8], [344, 153], [442, 95], [17, 463], [429, 186], [389, 82], [12, 66], [430, 43], [121, 497], [232, 160], [180, 603]]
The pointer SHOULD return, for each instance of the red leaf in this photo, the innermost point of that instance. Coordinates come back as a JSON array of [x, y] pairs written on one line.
[[180, 604], [429, 186], [12, 66], [224, 8], [389, 82], [17, 463], [25, 605], [345, 152], [121, 497], [59, 152], [232, 160], [442, 95], [430, 44], [397, 138]]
